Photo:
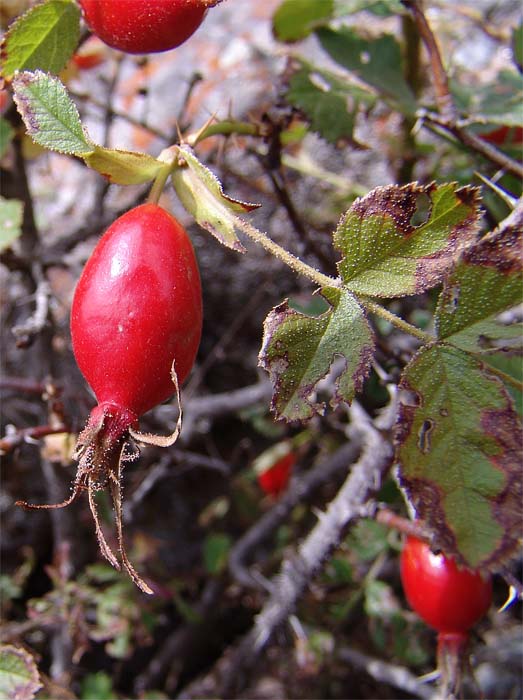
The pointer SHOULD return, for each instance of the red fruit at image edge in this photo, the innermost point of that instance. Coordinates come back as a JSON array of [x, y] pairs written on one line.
[[136, 308], [144, 26], [449, 599]]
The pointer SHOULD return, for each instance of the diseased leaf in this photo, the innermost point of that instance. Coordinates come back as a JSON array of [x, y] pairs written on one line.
[[378, 62], [49, 114], [386, 254], [487, 281], [11, 214], [202, 196], [296, 19], [298, 352], [460, 454], [44, 38], [19, 679], [329, 104], [123, 167]]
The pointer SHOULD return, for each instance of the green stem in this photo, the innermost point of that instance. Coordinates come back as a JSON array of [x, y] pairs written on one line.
[[288, 258], [396, 321], [159, 184], [325, 281], [224, 128]]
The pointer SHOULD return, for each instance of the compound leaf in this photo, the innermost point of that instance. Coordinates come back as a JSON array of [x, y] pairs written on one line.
[[460, 454], [298, 352], [45, 37], [386, 254]]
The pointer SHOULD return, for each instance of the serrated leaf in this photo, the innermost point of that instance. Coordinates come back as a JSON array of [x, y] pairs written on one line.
[[487, 281], [123, 167], [19, 679], [202, 195], [298, 352], [45, 37], [11, 215], [460, 454], [324, 99], [6, 135], [378, 62], [384, 252], [49, 114], [296, 19]]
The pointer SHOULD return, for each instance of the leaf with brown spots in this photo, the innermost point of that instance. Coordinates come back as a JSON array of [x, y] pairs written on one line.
[[298, 351], [460, 454], [397, 241], [486, 282]]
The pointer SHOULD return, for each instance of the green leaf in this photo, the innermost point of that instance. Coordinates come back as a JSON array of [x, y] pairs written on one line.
[[97, 686], [487, 281], [460, 454], [386, 253], [19, 679], [45, 37], [296, 19], [298, 352], [123, 167], [498, 102], [6, 135], [215, 552], [202, 196], [11, 215], [517, 45], [49, 114], [381, 8], [378, 62], [329, 103]]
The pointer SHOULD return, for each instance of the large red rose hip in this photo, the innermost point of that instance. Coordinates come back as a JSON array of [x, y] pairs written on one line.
[[144, 26]]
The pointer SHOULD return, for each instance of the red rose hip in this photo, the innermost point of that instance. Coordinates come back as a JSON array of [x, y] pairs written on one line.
[[136, 309], [144, 26], [449, 599]]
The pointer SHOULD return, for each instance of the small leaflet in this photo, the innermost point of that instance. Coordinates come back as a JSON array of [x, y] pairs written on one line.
[[298, 351], [202, 195], [11, 214], [49, 114]]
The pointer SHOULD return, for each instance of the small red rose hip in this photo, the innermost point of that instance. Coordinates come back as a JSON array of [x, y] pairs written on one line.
[[144, 26], [449, 599]]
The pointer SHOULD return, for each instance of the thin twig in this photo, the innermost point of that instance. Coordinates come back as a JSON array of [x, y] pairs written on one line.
[[298, 569]]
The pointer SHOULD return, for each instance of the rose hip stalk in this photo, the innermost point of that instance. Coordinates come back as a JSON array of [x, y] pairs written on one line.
[[136, 323]]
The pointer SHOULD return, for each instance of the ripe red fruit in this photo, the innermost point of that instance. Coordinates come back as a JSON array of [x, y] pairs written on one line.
[[449, 599], [137, 307], [274, 479], [144, 26]]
